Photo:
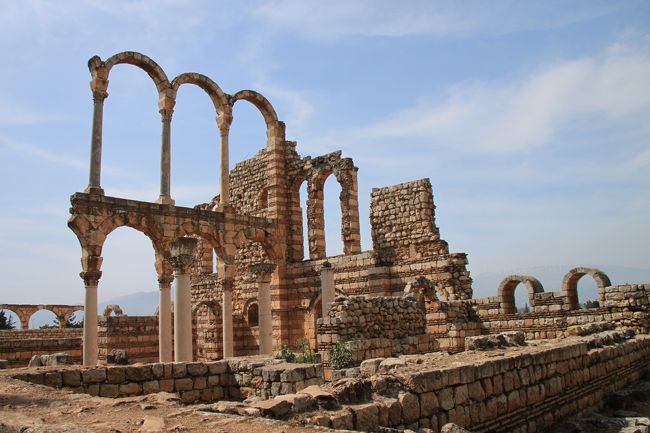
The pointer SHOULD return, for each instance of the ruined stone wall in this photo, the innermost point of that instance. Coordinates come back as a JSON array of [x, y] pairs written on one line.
[[623, 305], [232, 379], [138, 335], [18, 347]]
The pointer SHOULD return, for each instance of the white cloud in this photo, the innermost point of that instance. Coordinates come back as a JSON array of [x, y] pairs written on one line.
[[35, 151], [529, 112], [340, 18]]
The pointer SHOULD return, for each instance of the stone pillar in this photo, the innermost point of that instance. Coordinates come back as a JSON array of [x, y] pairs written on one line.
[[91, 281], [182, 256], [350, 227], [315, 220], [263, 273], [166, 105], [326, 287], [165, 319], [98, 85], [63, 320], [224, 120], [228, 350]]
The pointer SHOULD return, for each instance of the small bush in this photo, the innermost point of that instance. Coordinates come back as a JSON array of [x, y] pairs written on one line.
[[340, 355], [286, 354], [306, 356]]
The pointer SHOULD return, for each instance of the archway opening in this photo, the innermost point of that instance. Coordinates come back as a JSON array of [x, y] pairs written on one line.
[[44, 319], [9, 320], [131, 135], [75, 320], [302, 192], [247, 132], [521, 298], [129, 277], [587, 293], [195, 146], [253, 315], [332, 217]]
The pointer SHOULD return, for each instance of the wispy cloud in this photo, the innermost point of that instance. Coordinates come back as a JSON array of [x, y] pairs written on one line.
[[40, 153], [371, 18], [514, 116]]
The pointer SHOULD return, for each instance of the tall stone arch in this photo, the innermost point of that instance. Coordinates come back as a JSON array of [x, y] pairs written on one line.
[[506, 291], [570, 284]]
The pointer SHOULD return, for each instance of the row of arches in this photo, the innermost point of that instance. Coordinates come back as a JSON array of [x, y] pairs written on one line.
[[167, 94], [568, 290], [25, 316]]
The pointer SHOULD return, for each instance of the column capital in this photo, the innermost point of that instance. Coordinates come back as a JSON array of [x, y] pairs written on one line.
[[99, 87], [165, 281], [91, 278], [227, 284], [182, 255], [166, 114], [326, 266], [224, 120], [262, 272]]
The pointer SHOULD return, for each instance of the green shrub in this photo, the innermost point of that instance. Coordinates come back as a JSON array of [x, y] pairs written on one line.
[[306, 356], [340, 354], [286, 354]]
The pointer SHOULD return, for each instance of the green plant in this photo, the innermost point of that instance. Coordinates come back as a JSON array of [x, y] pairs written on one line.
[[306, 356], [286, 354], [340, 354], [6, 322]]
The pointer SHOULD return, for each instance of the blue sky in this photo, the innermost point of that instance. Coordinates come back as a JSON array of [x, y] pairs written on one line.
[[530, 119]]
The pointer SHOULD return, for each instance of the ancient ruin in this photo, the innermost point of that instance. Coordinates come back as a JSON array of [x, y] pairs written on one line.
[[403, 312]]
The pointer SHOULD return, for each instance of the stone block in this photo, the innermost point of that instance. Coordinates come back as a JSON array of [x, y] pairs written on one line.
[[71, 378], [366, 416], [410, 407], [94, 375], [342, 420], [130, 389], [197, 369], [116, 375], [183, 384], [150, 387], [109, 390]]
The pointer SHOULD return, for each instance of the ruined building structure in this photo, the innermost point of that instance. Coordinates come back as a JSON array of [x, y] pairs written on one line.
[[267, 290]]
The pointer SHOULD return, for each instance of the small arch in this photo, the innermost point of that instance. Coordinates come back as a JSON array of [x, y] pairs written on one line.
[[252, 314], [262, 104], [44, 318], [141, 61], [507, 288], [113, 309], [218, 97], [11, 319], [570, 284]]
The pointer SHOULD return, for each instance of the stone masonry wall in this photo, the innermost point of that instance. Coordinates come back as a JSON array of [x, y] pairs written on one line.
[[138, 335], [521, 392], [18, 347], [232, 379]]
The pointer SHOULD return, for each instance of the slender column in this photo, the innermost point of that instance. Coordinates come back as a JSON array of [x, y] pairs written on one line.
[[228, 351], [166, 105], [98, 85], [182, 256], [165, 319], [326, 287], [224, 120], [263, 273], [91, 281]]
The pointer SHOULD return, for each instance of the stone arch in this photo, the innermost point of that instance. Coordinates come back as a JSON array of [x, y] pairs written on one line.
[[21, 320], [193, 228], [113, 309], [423, 289], [218, 97], [136, 59], [506, 291], [265, 108], [40, 308], [570, 284]]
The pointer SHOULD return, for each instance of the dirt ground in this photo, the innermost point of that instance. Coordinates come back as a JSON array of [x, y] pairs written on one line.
[[29, 408]]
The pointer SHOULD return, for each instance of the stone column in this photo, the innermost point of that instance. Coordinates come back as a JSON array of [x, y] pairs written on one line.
[[326, 287], [91, 281], [224, 120], [182, 256], [165, 319], [98, 85], [263, 273], [228, 350], [166, 105]]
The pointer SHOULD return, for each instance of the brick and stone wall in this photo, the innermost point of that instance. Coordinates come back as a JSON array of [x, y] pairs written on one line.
[[18, 347], [138, 335]]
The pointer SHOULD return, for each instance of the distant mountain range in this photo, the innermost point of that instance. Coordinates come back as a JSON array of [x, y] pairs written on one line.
[[484, 284]]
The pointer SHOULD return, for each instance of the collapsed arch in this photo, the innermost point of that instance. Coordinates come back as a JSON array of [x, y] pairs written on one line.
[[570, 284], [423, 289], [112, 309], [507, 288]]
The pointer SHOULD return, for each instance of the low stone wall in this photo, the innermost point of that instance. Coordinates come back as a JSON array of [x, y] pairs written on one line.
[[18, 347], [138, 335], [519, 392], [232, 379]]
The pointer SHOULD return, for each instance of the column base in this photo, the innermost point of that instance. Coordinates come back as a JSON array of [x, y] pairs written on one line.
[[94, 190], [165, 199]]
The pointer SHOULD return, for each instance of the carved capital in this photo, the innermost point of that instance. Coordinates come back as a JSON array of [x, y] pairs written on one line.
[[91, 278], [182, 255], [326, 266], [99, 87], [165, 281], [227, 284], [166, 105], [224, 120], [262, 272]]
